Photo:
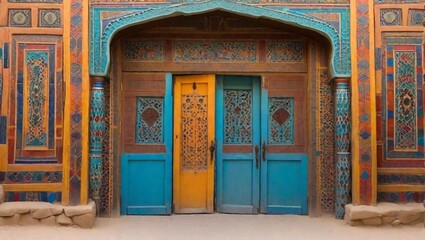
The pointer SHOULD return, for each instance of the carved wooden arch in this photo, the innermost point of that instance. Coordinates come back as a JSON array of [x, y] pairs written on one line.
[[103, 32]]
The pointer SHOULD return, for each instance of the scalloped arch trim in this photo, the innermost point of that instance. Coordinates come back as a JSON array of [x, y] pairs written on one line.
[[101, 38]]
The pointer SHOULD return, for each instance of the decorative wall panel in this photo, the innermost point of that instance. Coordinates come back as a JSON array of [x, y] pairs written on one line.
[[33, 177], [107, 21], [326, 141], [50, 18], [281, 120], [237, 116], [416, 17], [194, 122], [20, 17], [137, 50], [36, 106], [398, 178], [3, 129], [402, 109], [149, 122], [400, 197], [390, 17], [285, 51], [217, 51], [51, 197], [35, 100]]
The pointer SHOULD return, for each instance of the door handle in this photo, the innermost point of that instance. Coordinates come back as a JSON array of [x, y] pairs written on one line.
[[212, 149], [257, 150], [264, 148]]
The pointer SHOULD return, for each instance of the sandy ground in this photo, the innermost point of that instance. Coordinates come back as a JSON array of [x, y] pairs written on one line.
[[216, 226]]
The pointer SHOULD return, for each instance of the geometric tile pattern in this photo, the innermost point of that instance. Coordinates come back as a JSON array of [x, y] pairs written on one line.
[[51, 197], [20, 17], [416, 17], [401, 197], [342, 146], [390, 17], [35, 119], [3, 129], [33, 177], [149, 114], [403, 127], [363, 79], [97, 129], [405, 115], [36, 102], [216, 51], [398, 178], [76, 124], [238, 119], [285, 51], [139, 50], [281, 120], [50, 18], [326, 141]]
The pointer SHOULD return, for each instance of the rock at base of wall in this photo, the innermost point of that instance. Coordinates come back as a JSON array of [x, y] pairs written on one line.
[[64, 220], [13, 220], [41, 213], [85, 220], [26, 219], [372, 221], [50, 221]]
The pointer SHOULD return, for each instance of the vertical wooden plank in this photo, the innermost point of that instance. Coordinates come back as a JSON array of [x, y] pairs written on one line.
[[211, 136], [219, 136], [264, 127], [168, 139], [67, 99], [177, 146], [85, 105], [256, 137], [124, 184]]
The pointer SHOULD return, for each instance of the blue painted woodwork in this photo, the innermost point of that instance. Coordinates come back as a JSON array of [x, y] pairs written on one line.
[[103, 30], [237, 176], [283, 175], [146, 178]]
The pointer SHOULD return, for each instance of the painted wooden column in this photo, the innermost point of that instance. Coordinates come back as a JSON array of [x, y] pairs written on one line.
[[363, 109], [97, 130], [342, 145]]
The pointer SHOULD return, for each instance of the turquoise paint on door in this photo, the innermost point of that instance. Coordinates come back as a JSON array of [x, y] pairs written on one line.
[[146, 177], [248, 175], [237, 135]]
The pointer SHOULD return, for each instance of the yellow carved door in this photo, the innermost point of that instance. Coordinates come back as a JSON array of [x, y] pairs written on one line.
[[193, 167]]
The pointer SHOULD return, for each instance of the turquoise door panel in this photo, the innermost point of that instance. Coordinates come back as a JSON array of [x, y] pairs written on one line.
[[146, 178], [283, 174], [237, 134]]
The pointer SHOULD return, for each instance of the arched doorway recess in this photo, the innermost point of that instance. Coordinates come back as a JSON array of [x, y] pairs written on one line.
[[158, 50]]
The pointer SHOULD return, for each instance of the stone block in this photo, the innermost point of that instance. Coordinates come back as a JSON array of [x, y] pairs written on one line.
[[408, 217], [49, 221], [57, 210], [41, 213], [376, 221], [22, 210], [80, 209], [64, 220], [27, 219], [361, 212], [85, 220], [12, 220], [7, 210], [388, 219], [1, 194], [396, 222], [355, 223]]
